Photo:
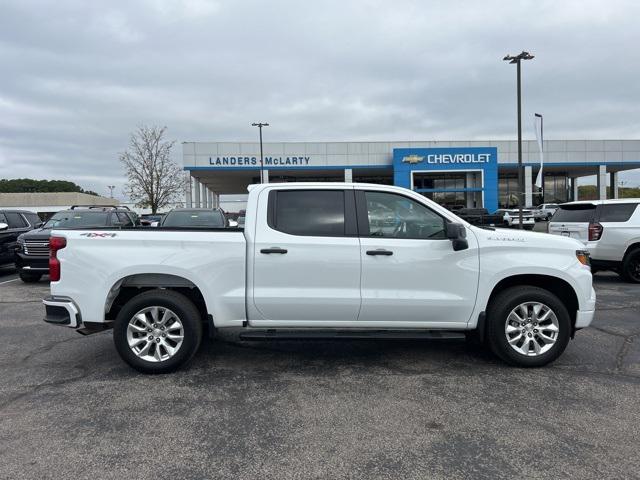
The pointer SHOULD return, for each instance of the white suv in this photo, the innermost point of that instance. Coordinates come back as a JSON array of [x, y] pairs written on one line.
[[545, 211], [609, 228]]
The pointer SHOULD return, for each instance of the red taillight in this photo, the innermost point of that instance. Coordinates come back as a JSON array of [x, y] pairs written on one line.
[[55, 244], [595, 231]]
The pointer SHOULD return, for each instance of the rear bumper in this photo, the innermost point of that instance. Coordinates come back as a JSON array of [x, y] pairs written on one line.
[[62, 311], [525, 221]]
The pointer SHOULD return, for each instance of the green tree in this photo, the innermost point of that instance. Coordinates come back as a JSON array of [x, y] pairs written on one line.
[[590, 192], [29, 185]]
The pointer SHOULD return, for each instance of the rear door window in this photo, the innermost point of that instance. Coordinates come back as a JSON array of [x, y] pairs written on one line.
[[582, 213], [33, 218], [618, 212], [308, 212], [15, 220]]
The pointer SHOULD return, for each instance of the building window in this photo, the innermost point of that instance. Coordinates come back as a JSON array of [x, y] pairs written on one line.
[[555, 189], [508, 191], [449, 189]]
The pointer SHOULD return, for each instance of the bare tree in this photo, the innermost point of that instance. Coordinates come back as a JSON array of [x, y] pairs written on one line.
[[153, 179]]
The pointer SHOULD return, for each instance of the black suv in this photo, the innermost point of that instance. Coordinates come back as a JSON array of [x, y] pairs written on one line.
[[32, 255], [12, 224]]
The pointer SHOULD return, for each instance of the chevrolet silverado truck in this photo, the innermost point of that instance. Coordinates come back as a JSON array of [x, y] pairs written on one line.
[[322, 260]]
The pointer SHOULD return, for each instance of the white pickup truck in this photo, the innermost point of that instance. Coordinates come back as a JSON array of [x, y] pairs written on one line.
[[322, 260]]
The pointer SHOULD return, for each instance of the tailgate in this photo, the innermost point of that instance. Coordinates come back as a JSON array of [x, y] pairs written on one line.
[[577, 230], [572, 220]]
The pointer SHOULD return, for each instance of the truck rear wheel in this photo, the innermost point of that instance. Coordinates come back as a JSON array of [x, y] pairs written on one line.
[[630, 270], [527, 326], [157, 331]]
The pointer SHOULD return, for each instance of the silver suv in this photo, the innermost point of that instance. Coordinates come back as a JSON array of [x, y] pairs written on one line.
[[610, 229]]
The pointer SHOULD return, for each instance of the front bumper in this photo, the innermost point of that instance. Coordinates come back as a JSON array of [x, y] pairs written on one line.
[[32, 263], [62, 311], [585, 316]]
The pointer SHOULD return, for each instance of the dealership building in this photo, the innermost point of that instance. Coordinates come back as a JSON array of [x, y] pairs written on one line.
[[458, 173]]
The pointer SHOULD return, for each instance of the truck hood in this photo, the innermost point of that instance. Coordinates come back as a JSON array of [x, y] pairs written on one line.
[[37, 234], [525, 239]]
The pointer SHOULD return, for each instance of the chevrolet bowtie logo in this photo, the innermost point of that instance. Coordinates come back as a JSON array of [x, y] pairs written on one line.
[[412, 159]]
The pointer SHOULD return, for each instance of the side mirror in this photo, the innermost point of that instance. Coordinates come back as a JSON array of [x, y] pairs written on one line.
[[3, 226], [457, 233]]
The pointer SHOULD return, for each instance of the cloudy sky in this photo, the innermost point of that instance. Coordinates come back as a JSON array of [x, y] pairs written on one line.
[[78, 76]]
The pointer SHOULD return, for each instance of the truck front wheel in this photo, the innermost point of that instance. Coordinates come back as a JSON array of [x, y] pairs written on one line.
[[157, 331], [527, 326]]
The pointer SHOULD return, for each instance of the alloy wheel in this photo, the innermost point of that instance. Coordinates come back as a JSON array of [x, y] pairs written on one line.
[[532, 328], [155, 334]]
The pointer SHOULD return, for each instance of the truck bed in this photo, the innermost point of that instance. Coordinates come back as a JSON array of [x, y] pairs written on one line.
[[99, 256]]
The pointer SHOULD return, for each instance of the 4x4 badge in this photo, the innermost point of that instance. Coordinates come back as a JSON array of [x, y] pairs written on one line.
[[98, 235]]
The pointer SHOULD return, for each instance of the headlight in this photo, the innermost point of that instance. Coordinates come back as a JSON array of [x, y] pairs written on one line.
[[583, 257]]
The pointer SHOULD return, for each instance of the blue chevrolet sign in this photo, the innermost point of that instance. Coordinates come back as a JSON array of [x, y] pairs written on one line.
[[484, 159]]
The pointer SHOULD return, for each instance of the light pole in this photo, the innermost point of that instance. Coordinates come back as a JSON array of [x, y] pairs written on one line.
[[111, 188], [539, 115], [517, 59], [260, 125]]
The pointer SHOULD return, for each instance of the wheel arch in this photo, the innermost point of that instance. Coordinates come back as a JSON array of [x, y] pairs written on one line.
[[630, 248], [129, 286], [559, 287]]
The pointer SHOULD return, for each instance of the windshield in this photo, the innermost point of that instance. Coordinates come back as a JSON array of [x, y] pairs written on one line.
[[194, 218], [78, 219], [574, 213]]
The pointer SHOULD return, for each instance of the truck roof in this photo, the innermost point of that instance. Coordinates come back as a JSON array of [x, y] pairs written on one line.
[[602, 202], [320, 184]]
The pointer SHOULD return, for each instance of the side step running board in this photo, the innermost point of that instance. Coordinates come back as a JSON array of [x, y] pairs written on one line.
[[277, 334]]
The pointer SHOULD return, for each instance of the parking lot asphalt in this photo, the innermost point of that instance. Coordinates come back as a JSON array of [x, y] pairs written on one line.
[[69, 408]]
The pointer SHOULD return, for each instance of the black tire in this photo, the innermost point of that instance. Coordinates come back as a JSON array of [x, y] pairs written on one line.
[[30, 277], [189, 317], [498, 312], [630, 270]]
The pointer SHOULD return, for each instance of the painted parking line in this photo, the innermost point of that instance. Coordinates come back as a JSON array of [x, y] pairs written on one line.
[[9, 281]]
